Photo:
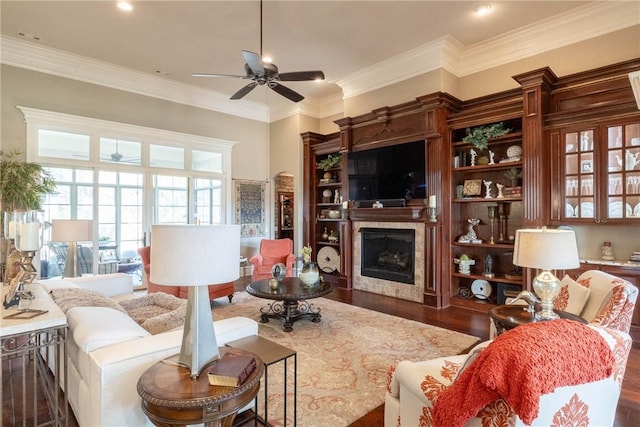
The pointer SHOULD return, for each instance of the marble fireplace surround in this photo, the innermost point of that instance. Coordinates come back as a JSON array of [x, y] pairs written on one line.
[[385, 287]]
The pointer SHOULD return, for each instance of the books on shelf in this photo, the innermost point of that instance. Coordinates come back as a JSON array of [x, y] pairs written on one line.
[[232, 370]]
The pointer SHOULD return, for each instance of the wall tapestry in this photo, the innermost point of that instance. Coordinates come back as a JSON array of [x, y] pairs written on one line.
[[250, 207]]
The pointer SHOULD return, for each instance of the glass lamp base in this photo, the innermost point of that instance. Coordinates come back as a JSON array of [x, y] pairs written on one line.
[[547, 287]]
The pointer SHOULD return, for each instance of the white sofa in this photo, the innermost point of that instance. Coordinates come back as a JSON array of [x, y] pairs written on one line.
[[107, 352]]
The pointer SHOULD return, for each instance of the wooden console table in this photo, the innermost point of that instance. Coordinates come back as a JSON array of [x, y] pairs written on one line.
[[170, 397]]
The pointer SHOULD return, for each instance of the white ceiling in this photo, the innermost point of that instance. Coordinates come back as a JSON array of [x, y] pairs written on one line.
[[173, 39]]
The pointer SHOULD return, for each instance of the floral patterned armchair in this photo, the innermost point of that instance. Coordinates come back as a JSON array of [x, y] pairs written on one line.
[[414, 388]]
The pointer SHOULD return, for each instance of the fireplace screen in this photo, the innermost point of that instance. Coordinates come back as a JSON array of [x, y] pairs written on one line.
[[388, 253]]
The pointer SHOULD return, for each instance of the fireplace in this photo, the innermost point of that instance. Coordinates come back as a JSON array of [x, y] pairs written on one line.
[[388, 253]]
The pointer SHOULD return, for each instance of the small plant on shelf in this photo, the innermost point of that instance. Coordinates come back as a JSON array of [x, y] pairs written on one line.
[[479, 136], [513, 175], [331, 161]]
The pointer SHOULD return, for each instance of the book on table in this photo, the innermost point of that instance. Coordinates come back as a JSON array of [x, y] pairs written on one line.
[[232, 369]]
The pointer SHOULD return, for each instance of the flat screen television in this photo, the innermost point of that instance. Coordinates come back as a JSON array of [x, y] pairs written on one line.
[[392, 172]]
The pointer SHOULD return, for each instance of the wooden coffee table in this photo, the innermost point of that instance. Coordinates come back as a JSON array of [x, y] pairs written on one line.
[[290, 298], [507, 317]]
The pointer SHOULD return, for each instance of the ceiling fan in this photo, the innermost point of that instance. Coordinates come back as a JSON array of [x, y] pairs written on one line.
[[118, 157], [262, 73]]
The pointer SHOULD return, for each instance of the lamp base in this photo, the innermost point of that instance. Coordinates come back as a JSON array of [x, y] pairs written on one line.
[[71, 264], [199, 345], [547, 287]]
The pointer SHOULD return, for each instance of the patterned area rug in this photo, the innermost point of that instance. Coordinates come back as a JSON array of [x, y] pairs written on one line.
[[343, 360]]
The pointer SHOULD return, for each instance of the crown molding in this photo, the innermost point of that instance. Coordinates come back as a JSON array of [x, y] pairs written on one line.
[[447, 53], [634, 78], [19, 53], [417, 61], [312, 107], [564, 29]]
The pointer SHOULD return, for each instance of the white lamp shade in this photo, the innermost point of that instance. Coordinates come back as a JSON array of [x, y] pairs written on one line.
[[546, 249], [71, 230], [194, 255]]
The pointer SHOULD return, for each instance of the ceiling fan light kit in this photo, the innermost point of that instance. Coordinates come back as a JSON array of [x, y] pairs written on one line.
[[266, 73]]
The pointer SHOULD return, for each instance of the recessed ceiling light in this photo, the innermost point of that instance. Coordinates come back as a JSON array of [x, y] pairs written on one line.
[[267, 59], [483, 9], [125, 5]]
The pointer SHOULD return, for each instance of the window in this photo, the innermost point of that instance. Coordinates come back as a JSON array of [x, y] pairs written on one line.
[[125, 179]]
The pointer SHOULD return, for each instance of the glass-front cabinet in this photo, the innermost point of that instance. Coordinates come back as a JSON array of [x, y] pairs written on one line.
[[598, 172]]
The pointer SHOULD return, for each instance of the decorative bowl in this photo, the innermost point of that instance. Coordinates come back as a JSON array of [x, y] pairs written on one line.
[[334, 214]]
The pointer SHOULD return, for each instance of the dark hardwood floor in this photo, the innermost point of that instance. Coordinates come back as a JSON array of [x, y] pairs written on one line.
[[461, 320]]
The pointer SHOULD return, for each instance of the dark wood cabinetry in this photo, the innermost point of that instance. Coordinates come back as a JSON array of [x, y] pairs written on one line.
[[598, 175], [579, 138], [326, 226], [497, 207]]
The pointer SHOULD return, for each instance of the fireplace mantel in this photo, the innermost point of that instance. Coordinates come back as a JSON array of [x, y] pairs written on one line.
[[409, 213]]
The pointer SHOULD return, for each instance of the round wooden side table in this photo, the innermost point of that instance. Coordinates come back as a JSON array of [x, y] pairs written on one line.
[[507, 317], [170, 397]]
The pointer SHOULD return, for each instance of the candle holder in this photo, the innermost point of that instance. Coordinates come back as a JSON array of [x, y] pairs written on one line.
[[432, 215], [28, 241], [493, 210]]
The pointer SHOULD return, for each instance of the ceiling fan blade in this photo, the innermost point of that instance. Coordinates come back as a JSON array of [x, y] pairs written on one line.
[[245, 90], [233, 76], [254, 62], [298, 76], [286, 92]]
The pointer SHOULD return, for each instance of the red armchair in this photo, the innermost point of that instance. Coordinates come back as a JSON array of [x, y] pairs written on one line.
[[272, 252], [215, 291]]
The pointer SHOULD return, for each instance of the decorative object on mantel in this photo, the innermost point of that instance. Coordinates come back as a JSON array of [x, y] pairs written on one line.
[[479, 136], [432, 208]]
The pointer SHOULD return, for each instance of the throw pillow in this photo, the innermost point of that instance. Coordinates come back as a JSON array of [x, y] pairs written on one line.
[[67, 298], [573, 296], [612, 307]]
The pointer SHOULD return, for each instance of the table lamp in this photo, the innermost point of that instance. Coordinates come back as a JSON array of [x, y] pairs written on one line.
[[196, 256], [72, 231], [546, 249]]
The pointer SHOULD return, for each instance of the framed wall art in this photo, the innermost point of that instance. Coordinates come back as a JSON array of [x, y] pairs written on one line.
[[250, 207]]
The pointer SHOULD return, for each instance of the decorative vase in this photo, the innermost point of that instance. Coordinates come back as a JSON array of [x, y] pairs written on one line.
[[309, 275]]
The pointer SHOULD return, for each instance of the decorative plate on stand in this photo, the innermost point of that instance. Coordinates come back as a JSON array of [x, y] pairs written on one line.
[[481, 289], [328, 259]]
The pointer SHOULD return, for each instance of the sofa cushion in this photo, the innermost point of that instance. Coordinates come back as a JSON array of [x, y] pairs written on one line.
[[97, 327], [573, 296], [51, 284], [157, 312], [67, 298]]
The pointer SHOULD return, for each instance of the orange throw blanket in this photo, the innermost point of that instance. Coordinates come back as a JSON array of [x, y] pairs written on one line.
[[521, 365]]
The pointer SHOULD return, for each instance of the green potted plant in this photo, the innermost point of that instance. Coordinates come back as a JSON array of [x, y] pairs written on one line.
[[22, 184], [331, 161], [22, 187], [479, 136]]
